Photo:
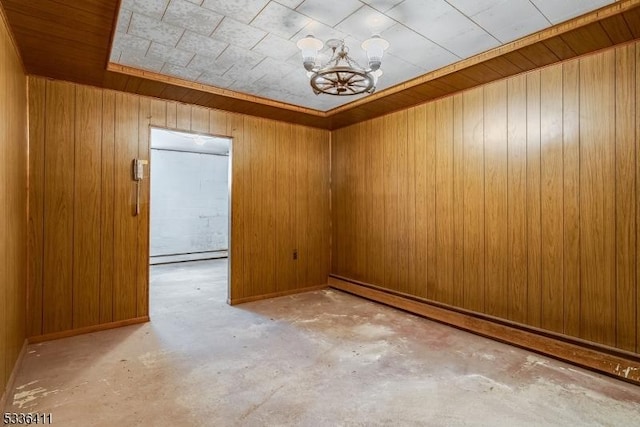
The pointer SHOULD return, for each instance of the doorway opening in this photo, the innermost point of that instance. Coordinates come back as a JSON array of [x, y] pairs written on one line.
[[190, 202]]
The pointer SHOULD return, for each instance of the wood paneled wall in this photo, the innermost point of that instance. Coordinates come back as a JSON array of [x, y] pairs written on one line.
[[89, 253], [517, 199], [13, 204]]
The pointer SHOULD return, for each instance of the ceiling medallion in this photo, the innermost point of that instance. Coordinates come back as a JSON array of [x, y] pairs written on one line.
[[341, 75]]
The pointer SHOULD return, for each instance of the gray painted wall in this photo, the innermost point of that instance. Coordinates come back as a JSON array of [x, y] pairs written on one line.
[[189, 202]]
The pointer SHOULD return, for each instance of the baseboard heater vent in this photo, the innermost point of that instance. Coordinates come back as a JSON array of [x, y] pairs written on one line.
[[186, 257]]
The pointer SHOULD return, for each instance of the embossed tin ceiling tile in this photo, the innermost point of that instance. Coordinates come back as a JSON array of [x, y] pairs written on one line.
[[195, 18], [280, 20]]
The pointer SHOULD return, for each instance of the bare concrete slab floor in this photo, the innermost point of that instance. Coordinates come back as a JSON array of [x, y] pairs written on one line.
[[316, 359]]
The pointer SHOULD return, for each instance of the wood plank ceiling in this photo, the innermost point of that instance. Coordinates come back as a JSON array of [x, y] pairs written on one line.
[[70, 40]]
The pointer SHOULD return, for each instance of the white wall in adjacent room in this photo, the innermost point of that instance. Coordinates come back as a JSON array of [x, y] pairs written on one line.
[[189, 202]]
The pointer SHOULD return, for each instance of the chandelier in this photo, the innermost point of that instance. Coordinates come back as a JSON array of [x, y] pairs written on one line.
[[341, 75]]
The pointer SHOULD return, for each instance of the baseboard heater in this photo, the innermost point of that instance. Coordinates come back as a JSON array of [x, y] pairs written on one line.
[[188, 256], [599, 358]]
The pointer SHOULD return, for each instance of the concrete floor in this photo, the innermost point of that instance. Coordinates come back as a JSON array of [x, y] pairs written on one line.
[[316, 359]]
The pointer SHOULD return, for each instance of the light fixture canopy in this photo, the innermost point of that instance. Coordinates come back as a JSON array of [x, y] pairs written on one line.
[[341, 75]]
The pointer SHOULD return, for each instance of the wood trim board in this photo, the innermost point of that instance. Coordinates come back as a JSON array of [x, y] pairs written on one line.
[[12, 378], [86, 330], [236, 301]]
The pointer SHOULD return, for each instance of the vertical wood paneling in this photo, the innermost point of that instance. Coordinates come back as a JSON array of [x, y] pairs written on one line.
[[534, 245], [239, 189], [346, 192], [13, 205], [411, 202], [597, 197], [172, 115], [339, 257], [401, 147], [269, 205], [339, 193], [285, 174], [637, 197], [183, 116], [87, 200], [625, 183], [199, 119], [349, 215], [517, 198], [5, 324], [158, 113], [417, 122], [18, 205], [107, 130], [37, 88], [444, 202], [495, 170], [58, 207], [107, 214], [530, 191], [323, 250], [319, 225], [252, 131], [376, 262], [219, 122], [430, 172], [304, 223], [571, 168], [302, 207], [458, 196], [359, 224], [249, 131], [567, 195], [126, 224], [389, 133], [551, 193], [473, 177], [262, 180]]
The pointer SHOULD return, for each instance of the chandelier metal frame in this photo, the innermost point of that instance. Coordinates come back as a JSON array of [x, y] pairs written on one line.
[[341, 75], [341, 80]]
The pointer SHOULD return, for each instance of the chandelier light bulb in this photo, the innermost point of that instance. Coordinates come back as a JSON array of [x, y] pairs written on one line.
[[309, 47], [375, 47]]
